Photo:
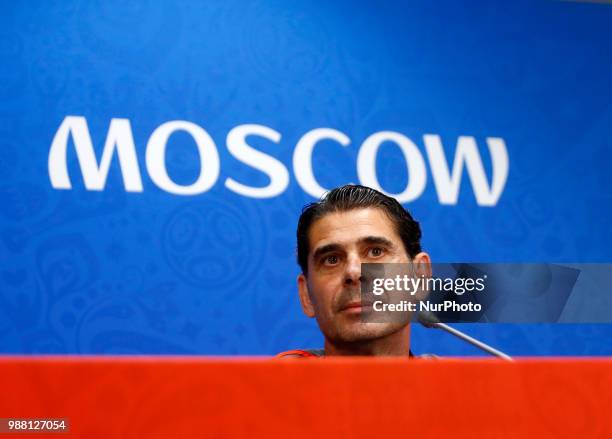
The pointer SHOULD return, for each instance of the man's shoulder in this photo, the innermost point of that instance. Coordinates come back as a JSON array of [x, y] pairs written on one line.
[[316, 353], [301, 353]]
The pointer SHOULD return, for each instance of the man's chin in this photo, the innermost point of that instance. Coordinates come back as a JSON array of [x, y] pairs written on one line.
[[360, 331]]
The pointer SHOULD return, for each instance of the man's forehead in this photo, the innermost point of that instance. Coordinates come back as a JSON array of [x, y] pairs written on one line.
[[351, 226]]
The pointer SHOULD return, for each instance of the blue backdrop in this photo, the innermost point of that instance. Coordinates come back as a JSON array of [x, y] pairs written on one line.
[[150, 271]]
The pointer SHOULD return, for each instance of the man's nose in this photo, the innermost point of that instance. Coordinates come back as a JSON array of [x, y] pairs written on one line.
[[352, 274]]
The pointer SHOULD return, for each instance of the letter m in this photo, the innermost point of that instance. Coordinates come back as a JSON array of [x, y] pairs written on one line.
[[119, 138]]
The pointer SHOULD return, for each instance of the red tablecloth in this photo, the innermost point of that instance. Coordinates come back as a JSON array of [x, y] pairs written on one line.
[[150, 397]]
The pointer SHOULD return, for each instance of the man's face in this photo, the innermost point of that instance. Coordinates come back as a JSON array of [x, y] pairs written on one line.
[[339, 243]]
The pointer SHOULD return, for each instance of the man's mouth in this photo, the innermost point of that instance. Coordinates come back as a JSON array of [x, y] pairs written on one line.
[[355, 307]]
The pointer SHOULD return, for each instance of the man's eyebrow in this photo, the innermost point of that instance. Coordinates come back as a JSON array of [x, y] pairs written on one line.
[[325, 249], [371, 240]]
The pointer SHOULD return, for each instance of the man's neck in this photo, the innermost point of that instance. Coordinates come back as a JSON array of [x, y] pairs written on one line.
[[395, 344]]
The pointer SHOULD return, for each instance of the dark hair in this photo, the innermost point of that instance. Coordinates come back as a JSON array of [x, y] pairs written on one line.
[[350, 197]]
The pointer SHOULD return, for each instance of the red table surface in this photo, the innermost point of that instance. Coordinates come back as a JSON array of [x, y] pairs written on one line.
[[151, 397]]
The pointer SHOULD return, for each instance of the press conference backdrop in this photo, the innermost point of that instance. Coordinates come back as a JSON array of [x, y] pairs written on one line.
[[155, 156]]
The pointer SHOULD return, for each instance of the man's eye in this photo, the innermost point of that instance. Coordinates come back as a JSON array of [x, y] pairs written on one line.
[[376, 251], [330, 260]]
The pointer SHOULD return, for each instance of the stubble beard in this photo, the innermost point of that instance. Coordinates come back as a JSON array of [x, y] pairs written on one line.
[[355, 327], [360, 331]]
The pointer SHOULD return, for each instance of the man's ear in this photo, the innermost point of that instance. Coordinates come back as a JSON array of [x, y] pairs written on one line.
[[422, 264], [304, 296]]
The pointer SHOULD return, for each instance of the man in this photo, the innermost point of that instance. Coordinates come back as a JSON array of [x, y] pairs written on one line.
[[352, 225]]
